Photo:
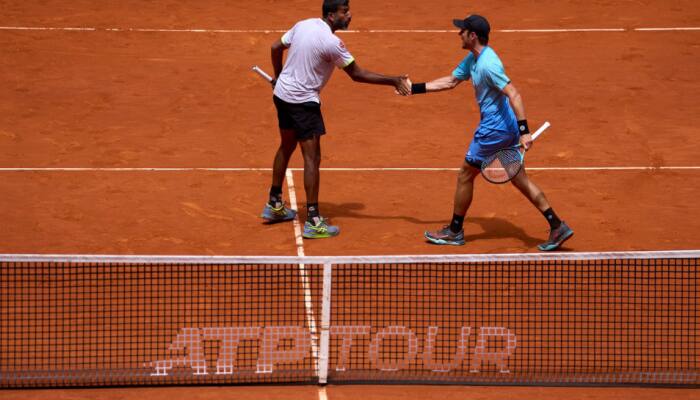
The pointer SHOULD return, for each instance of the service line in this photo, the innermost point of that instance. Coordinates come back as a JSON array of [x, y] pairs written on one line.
[[267, 31], [332, 169]]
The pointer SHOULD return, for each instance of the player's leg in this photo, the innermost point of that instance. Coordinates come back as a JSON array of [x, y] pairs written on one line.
[[288, 144], [531, 191], [310, 129], [465, 189], [275, 209], [315, 227], [559, 230], [311, 150], [453, 233]]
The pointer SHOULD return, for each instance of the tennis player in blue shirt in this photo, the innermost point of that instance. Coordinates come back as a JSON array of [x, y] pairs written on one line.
[[502, 125]]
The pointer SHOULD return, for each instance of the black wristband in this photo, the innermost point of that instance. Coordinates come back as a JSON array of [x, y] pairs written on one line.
[[418, 88], [522, 127]]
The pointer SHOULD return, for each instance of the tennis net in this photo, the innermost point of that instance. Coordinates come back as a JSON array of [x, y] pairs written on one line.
[[528, 319]]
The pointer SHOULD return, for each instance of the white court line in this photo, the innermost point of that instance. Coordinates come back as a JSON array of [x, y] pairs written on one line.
[[303, 274], [196, 30], [44, 28], [370, 259], [322, 393], [154, 30], [334, 169], [293, 204], [562, 30], [202, 30], [528, 168], [690, 28], [128, 169]]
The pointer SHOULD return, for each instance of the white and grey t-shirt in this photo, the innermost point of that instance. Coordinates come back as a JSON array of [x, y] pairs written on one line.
[[313, 53]]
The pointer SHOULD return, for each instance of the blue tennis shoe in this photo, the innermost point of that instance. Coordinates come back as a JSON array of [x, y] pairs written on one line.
[[446, 236], [557, 237], [320, 230], [273, 214]]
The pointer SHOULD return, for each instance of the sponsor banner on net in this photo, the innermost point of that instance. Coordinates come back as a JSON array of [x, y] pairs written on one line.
[[474, 348]]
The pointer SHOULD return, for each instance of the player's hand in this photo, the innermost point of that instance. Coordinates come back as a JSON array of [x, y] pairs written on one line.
[[526, 141], [273, 82], [403, 85]]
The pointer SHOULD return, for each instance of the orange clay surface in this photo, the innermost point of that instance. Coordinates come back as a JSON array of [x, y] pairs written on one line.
[[129, 99], [353, 392]]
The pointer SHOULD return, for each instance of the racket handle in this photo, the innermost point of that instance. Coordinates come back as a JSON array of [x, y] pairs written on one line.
[[541, 129], [262, 73]]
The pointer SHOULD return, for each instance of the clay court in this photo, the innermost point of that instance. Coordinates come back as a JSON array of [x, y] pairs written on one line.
[[138, 128]]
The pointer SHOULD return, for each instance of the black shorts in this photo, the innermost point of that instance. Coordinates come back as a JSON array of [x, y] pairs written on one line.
[[304, 119]]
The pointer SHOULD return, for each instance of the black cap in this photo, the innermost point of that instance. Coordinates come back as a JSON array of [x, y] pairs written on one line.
[[474, 23]]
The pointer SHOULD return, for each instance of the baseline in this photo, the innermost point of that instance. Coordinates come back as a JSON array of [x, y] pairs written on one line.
[[201, 30]]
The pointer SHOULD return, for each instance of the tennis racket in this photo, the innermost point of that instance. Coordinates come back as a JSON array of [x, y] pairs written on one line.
[[262, 73], [506, 164]]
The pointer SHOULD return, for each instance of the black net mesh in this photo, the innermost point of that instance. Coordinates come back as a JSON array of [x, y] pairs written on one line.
[[551, 321]]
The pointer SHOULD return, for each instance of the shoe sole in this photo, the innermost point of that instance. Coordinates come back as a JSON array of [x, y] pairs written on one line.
[[268, 220], [558, 244], [444, 242], [320, 236]]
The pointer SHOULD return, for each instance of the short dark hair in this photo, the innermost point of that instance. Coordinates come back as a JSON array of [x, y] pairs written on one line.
[[484, 40], [330, 6]]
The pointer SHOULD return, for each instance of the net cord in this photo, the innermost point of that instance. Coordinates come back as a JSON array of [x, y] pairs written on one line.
[[369, 259]]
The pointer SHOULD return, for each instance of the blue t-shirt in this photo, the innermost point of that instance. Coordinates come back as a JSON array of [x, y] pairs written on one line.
[[489, 79]]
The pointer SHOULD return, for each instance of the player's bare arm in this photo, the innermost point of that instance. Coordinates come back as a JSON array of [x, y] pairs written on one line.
[[277, 54], [438, 85], [358, 74], [516, 102], [445, 83]]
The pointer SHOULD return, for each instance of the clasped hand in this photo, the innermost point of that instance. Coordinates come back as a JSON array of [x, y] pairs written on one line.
[[403, 86]]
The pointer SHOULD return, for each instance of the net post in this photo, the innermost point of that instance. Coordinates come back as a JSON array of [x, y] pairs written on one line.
[[325, 324]]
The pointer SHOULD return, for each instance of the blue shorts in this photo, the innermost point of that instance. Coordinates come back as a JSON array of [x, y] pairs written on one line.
[[486, 143]]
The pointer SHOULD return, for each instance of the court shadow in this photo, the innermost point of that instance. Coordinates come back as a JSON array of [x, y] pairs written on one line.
[[354, 210], [493, 228], [499, 228]]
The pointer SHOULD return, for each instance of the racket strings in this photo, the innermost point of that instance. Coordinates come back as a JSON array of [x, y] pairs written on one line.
[[503, 166]]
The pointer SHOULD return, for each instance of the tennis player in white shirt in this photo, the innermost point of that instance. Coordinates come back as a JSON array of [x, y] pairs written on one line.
[[314, 52]]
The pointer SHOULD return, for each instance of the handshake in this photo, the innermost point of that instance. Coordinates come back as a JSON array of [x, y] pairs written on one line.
[[402, 84]]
